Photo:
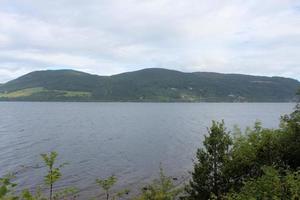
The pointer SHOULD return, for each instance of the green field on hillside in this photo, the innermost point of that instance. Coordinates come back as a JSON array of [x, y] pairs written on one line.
[[40, 90]]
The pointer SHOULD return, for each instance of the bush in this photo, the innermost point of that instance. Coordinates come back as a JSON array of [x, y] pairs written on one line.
[[271, 185], [248, 161], [161, 189]]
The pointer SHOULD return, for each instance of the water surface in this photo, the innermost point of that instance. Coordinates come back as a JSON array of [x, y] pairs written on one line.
[[129, 140]]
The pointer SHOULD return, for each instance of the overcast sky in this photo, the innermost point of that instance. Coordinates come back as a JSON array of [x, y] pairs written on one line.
[[260, 37]]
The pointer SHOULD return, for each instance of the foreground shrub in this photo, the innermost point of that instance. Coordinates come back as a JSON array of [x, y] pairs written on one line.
[[209, 175], [52, 176], [271, 185], [235, 163], [7, 188], [290, 128], [161, 189], [107, 184]]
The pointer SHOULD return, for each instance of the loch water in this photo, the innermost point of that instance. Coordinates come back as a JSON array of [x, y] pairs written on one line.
[[129, 140]]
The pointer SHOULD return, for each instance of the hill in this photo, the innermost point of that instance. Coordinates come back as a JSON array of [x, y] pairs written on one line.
[[159, 85]]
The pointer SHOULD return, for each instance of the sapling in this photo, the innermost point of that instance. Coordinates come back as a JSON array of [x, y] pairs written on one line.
[[54, 173], [6, 187], [107, 184]]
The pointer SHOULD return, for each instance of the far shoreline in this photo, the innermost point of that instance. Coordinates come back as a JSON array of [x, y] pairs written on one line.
[[146, 102]]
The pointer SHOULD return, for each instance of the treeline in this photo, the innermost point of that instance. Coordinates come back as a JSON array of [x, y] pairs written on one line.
[[148, 85], [257, 164]]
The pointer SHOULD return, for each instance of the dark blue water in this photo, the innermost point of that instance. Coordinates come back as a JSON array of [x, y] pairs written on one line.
[[129, 140]]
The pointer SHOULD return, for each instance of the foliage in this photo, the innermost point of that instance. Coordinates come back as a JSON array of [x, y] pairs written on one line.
[[208, 177], [54, 173], [6, 188], [107, 184], [252, 150], [290, 148], [66, 192], [271, 185], [250, 161], [27, 195], [161, 189]]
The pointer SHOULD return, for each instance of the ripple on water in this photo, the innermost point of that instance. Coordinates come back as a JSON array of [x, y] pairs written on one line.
[[129, 140]]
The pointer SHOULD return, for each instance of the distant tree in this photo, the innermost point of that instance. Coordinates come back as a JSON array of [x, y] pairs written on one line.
[[209, 178]]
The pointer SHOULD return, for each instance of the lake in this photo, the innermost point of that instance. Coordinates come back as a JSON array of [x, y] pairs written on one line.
[[129, 140]]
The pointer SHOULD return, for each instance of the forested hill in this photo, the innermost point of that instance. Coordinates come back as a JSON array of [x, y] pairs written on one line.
[[158, 85]]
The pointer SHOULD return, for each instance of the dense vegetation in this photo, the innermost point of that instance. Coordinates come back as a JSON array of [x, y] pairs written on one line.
[[148, 85], [260, 164]]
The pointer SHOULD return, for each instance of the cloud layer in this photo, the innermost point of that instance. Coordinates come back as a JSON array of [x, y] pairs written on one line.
[[113, 36]]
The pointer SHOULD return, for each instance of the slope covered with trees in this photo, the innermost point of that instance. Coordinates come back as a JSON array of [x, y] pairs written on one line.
[[148, 85]]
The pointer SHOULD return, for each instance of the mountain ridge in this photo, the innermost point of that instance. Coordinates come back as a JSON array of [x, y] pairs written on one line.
[[151, 84]]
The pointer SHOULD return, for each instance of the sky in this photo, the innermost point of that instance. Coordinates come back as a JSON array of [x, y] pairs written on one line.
[[112, 36]]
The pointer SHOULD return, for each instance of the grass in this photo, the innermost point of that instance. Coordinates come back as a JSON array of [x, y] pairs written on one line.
[[76, 94], [22, 93], [30, 91]]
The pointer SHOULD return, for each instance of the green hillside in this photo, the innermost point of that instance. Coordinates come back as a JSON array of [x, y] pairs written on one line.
[[154, 84]]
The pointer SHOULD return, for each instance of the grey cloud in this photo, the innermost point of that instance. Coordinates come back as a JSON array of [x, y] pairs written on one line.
[[112, 36]]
